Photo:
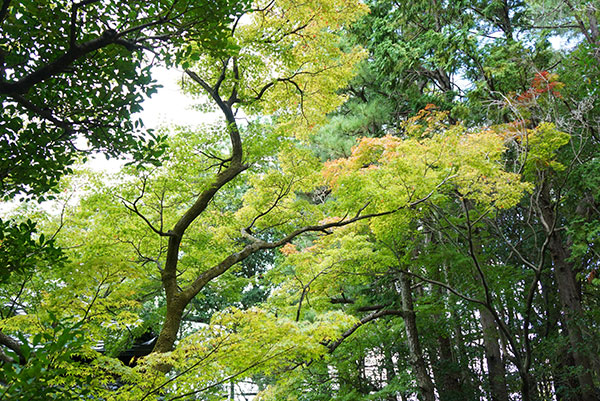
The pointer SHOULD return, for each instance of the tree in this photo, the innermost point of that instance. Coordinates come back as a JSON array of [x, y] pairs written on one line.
[[435, 159], [524, 91], [73, 73], [386, 251], [287, 52]]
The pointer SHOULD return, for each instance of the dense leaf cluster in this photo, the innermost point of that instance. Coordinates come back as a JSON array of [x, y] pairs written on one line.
[[73, 75]]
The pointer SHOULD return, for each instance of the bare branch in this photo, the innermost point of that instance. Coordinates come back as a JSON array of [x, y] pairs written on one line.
[[94, 298], [446, 286], [584, 30], [473, 256], [306, 288], [237, 151], [331, 346], [15, 299], [283, 192], [132, 207], [61, 223], [222, 76], [196, 78], [233, 98], [265, 8]]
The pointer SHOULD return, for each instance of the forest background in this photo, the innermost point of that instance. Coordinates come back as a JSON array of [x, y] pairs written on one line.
[[397, 201]]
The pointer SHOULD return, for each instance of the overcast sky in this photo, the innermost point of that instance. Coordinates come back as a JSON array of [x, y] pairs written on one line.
[[169, 106]]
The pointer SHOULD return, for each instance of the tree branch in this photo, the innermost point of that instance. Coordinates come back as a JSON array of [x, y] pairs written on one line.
[[233, 376], [59, 65], [331, 346], [13, 345], [133, 208], [234, 133], [283, 192], [306, 288], [258, 244], [4, 10], [43, 113]]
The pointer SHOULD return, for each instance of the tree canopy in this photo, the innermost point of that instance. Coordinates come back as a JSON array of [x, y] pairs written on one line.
[[397, 201]]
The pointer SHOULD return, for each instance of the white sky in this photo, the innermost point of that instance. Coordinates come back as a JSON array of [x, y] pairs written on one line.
[[169, 106]]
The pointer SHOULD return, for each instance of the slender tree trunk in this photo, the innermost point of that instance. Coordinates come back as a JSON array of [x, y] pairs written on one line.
[[462, 358], [493, 357], [492, 324], [449, 386], [424, 382], [565, 383], [446, 369], [569, 296], [571, 305]]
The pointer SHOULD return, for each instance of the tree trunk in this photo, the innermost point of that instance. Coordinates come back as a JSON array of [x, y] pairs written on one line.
[[568, 293], [571, 306], [493, 357], [565, 382], [390, 371], [447, 378], [426, 389], [446, 370], [458, 341], [170, 327]]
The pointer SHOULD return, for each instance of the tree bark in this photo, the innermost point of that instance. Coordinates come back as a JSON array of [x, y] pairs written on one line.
[[569, 296], [447, 374], [571, 306], [426, 388], [170, 327], [493, 357], [390, 371], [446, 369]]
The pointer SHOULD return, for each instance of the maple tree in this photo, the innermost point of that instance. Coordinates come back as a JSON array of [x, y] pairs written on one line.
[[287, 52]]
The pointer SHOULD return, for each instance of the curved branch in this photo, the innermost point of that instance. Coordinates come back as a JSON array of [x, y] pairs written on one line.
[[13, 345], [234, 132], [59, 65], [488, 297], [331, 346], [306, 288], [43, 113], [258, 244], [133, 208], [344, 222]]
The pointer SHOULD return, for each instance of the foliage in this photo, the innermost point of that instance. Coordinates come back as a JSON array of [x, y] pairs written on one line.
[[73, 73], [21, 251], [401, 203], [51, 372]]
